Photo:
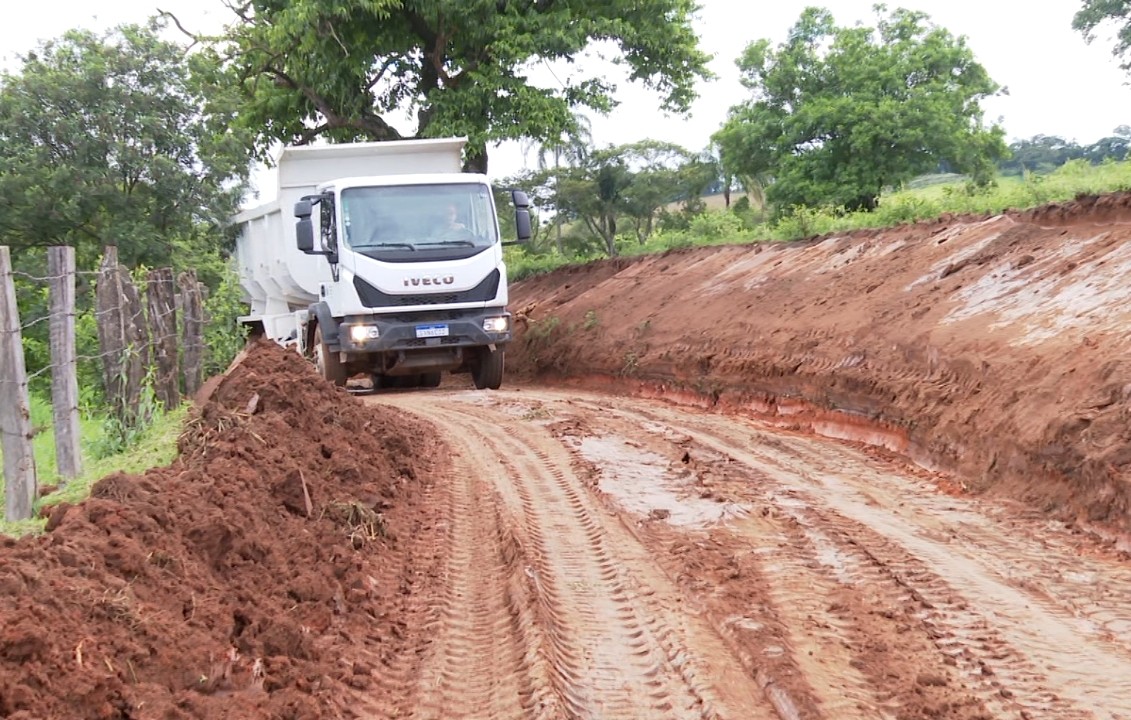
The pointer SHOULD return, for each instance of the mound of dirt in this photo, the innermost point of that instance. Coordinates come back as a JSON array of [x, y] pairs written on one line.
[[993, 350], [238, 582]]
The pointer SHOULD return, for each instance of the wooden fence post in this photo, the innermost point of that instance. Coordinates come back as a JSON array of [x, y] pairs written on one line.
[[15, 411], [163, 333], [192, 306], [122, 337], [64, 368]]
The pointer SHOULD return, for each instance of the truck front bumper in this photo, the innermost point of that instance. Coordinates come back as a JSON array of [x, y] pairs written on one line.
[[376, 333]]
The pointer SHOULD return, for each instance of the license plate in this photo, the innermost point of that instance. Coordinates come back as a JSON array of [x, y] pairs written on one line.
[[427, 331]]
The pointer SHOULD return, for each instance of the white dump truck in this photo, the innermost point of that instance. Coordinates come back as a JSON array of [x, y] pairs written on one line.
[[381, 260]]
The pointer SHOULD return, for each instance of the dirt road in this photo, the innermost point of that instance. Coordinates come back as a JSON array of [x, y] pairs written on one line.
[[617, 558]]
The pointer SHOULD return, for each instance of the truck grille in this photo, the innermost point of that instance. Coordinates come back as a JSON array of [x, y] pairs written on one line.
[[372, 297], [423, 299]]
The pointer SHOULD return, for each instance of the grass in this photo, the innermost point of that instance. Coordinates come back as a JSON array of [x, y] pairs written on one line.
[[156, 446], [921, 199]]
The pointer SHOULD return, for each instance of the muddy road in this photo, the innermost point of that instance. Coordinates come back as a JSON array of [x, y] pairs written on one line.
[[607, 557]]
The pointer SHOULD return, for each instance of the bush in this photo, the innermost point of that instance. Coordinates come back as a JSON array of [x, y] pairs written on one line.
[[803, 222], [521, 264], [224, 337]]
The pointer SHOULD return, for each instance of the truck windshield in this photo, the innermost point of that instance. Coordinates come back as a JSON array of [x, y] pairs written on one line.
[[409, 218]]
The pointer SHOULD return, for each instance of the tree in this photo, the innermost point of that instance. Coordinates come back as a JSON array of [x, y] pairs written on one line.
[[571, 147], [839, 114], [314, 69], [628, 182], [661, 173], [1095, 13], [105, 140], [1116, 146], [1040, 153], [594, 194]]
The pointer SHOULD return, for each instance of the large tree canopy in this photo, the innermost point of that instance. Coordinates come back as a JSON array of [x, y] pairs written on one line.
[[103, 141], [1117, 13], [838, 114], [339, 70]]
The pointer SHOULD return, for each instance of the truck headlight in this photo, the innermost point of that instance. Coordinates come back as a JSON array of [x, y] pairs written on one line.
[[496, 324], [360, 333]]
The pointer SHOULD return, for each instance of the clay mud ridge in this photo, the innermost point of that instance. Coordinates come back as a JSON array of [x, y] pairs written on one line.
[[279, 568], [631, 558]]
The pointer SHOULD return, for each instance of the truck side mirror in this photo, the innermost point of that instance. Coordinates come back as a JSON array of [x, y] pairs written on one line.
[[521, 215], [303, 209], [304, 234], [522, 224]]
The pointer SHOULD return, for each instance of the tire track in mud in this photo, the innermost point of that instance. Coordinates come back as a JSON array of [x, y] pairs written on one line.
[[393, 666], [1024, 654], [1029, 555], [477, 661], [618, 644], [840, 647]]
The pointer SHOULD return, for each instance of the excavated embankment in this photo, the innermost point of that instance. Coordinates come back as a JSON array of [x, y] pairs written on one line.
[[991, 349], [244, 580]]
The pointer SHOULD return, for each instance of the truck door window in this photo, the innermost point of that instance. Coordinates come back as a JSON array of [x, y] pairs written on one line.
[[329, 229]]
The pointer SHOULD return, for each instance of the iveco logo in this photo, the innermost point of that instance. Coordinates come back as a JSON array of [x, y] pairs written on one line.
[[433, 280]]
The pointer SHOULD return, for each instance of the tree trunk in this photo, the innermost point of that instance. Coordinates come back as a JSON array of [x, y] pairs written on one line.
[[609, 233], [476, 161]]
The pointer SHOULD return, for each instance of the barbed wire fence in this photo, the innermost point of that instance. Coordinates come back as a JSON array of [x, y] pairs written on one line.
[[152, 338]]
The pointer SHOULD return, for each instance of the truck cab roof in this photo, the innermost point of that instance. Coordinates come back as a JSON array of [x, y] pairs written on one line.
[[413, 179]]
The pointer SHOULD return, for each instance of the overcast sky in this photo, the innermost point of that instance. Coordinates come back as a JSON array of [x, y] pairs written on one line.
[[1058, 84]]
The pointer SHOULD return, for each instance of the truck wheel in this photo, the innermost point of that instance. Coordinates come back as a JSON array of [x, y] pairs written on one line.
[[431, 379], [327, 361], [488, 372]]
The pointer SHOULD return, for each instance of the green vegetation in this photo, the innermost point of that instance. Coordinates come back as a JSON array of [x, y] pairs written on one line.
[[124, 139], [606, 192], [155, 446], [925, 200], [106, 140], [840, 113], [1044, 153], [118, 139]]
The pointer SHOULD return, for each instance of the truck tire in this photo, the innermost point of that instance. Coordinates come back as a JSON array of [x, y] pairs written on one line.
[[488, 372], [327, 361]]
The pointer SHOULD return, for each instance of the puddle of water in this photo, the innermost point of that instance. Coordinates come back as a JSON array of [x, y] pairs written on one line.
[[642, 482]]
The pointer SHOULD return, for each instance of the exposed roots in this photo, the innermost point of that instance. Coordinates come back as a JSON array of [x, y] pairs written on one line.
[[362, 523]]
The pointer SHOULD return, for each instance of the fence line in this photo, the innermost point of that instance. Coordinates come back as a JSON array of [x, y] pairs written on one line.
[[134, 325]]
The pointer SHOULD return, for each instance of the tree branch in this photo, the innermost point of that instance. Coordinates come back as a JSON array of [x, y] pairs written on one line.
[[372, 125], [389, 62], [308, 136]]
